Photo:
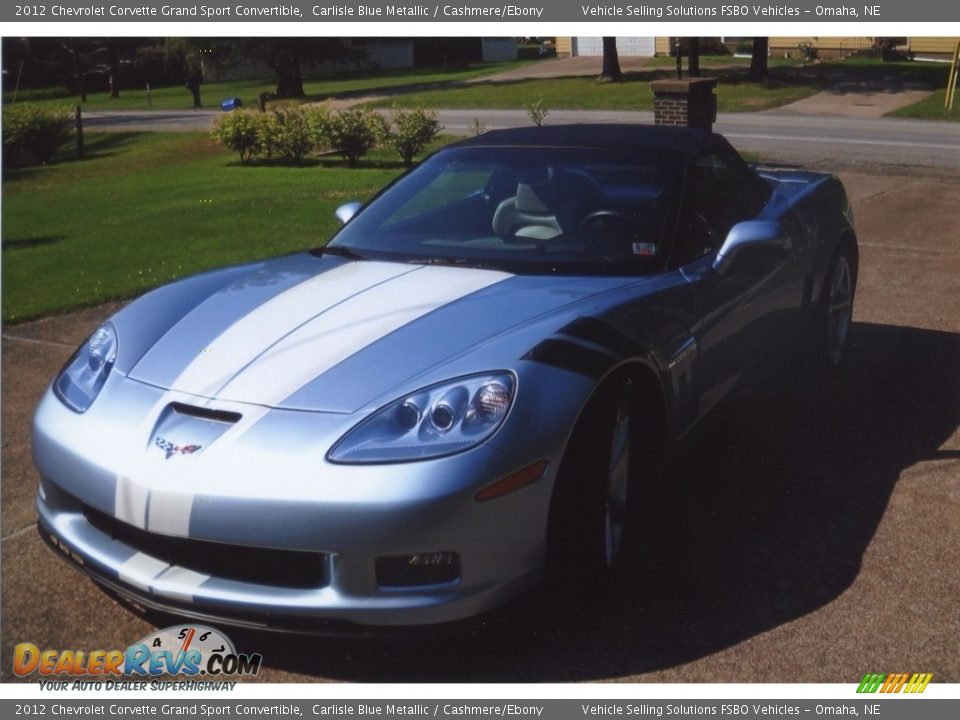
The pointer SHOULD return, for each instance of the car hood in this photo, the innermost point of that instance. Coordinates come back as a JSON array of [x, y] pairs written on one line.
[[335, 334]]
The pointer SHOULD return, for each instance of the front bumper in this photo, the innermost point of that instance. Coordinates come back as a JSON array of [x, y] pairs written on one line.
[[264, 490]]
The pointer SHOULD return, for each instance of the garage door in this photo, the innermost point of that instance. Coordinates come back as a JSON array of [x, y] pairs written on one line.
[[643, 46]]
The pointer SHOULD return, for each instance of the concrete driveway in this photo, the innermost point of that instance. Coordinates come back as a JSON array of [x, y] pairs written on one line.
[[804, 537], [853, 102]]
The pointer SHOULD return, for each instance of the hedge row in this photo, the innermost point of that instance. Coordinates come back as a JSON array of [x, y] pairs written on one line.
[[290, 134], [33, 133]]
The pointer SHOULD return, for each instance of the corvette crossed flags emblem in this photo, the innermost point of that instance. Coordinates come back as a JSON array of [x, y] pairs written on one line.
[[170, 449]]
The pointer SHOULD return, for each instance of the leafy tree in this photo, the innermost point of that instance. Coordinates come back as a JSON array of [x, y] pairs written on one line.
[[114, 49], [76, 49], [84, 63], [188, 54], [195, 55], [286, 56]]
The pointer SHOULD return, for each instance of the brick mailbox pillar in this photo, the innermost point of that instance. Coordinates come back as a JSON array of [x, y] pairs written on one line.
[[685, 103]]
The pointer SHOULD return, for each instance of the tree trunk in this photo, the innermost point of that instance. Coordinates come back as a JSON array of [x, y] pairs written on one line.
[[289, 79], [78, 69], [113, 61], [758, 62], [611, 61], [693, 64], [193, 85]]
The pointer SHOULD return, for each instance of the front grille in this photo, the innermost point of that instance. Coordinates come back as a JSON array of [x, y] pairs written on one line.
[[260, 566]]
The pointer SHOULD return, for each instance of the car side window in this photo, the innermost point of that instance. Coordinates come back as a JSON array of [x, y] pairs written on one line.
[[720, 192]]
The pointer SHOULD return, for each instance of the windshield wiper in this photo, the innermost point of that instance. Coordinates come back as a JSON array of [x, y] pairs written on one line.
[[339, 251]]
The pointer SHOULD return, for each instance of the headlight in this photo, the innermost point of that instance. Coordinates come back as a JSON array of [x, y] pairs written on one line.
[[82, 378], [439, 420]]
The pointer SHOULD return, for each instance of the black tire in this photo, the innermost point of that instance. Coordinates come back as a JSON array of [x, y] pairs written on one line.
[[593, 501], [831, 324]]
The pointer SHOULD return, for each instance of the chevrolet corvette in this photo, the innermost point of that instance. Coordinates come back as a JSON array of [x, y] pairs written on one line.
[[463, 393]]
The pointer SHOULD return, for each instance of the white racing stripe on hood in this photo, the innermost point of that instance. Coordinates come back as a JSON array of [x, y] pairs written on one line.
[[249, 336], [347, 328], [272, 352]]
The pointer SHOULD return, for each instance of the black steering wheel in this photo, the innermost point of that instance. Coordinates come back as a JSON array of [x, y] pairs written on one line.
[[604, 215]]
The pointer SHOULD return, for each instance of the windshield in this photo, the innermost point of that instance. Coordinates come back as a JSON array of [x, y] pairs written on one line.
[[523, 209]]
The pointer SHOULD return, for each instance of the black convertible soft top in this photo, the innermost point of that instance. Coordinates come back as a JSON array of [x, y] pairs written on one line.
[[684, 141]]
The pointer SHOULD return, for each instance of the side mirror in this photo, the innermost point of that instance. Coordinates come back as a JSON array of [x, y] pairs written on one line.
[[748, 234], [347, 211]]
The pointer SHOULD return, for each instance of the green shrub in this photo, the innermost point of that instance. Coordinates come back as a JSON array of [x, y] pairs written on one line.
[[353, 132], [410, 131], [36, 94], [239, 131], [34, 131], [891, 48], [318, 119], [292, 136], [268, 130], [537, 112], [284, 134], [808, 51]]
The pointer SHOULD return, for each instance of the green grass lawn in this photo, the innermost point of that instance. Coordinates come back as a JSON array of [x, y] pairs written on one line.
[[147, 208], [788, 81], [179, 98], [930, 109], [669, 61], [734, 93]]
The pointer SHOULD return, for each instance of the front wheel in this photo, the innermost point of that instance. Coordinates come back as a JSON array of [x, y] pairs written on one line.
[[591, 511]]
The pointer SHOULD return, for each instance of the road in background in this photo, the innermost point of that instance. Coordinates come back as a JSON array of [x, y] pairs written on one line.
[[807, 140]]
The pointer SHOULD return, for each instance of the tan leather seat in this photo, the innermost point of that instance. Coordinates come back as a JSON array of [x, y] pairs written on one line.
[[524, 215]]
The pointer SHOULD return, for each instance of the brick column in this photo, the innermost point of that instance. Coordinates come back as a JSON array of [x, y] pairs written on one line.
[[685, 103]]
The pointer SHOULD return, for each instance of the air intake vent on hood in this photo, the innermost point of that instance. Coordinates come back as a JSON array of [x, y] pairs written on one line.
[[221, 416]]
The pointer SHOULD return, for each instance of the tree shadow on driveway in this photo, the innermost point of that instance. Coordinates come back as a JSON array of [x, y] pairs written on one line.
[[763, 519]]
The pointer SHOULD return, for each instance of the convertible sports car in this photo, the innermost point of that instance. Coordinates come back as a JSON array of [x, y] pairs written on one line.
[[464, 391]]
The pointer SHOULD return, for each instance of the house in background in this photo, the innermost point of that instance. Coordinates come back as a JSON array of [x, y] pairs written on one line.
[[932, 47], [833, 47], [593, 46], [828, 47], [388, 54]]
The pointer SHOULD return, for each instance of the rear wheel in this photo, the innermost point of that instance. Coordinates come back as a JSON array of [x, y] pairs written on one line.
[[835, 311], [617, 484]]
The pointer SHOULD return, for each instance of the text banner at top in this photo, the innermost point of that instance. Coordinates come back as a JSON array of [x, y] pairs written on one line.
[[482, 11]]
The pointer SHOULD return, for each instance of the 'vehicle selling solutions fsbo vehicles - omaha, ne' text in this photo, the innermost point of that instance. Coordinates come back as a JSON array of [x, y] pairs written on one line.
[[460, 394]]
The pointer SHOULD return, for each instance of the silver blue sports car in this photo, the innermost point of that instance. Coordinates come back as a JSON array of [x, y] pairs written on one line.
[[463, 393]]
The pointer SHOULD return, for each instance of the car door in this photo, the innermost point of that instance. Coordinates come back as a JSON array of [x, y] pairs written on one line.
[[748, 311]]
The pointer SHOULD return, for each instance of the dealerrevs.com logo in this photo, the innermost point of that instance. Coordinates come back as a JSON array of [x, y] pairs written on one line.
[[895, 682], [185, 650]]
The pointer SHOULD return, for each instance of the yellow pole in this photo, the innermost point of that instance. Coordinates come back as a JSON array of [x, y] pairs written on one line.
[[952, 81]]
